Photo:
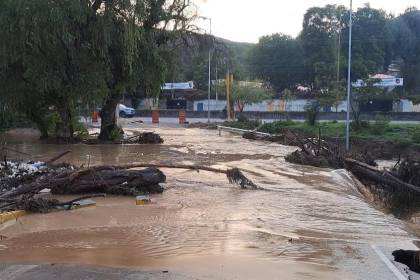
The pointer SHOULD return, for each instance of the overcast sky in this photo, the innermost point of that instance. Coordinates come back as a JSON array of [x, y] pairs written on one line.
[[247, 20]]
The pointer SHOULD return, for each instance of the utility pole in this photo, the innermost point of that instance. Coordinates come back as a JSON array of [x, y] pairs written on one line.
[[337, 97], [227, 81], [209, 85], [349, 79], [217, 97]]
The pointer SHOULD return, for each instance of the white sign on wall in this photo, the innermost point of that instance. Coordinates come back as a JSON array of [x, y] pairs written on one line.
[[382, 83], [178, 86]]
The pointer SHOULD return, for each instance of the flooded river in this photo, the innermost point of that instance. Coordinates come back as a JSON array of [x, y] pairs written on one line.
[[307, 223]]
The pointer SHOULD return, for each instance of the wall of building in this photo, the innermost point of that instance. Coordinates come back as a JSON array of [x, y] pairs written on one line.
[[297, 105]]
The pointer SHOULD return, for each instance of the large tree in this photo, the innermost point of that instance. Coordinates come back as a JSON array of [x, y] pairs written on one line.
[[278, 60], [321, 34], [406, 30], [46, 64], [134, 34], [56, 55], [372, 42]]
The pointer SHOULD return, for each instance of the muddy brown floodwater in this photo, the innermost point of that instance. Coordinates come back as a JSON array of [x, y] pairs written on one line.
[[307, 223]]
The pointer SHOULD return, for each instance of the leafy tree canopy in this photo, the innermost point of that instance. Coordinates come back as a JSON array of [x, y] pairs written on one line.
[[278, 59]]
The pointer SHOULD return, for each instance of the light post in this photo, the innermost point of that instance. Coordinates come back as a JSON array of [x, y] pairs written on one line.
[[209, 85], [349, 79]]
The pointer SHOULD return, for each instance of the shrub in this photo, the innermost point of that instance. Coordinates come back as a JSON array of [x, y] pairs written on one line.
[[381, 124], [312, 110], [356, 126]]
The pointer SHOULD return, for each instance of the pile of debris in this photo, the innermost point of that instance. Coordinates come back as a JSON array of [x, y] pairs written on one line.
[[22, 187], [315, 152], [252, 135], [22, 182], [145, 138], [397, 190], [141, 138]]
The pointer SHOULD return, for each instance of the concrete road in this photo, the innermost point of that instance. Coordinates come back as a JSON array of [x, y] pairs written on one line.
[[73, 272]]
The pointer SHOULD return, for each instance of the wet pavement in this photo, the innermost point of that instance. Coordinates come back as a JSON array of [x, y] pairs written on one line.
[[306, 223]]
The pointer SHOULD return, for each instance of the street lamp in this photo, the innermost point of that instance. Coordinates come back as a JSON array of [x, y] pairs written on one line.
[[209, 85], [349, 79]]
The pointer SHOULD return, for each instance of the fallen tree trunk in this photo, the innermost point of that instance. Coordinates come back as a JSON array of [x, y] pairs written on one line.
[[390, 192], [142, 138], [234, 175], [120, 182]]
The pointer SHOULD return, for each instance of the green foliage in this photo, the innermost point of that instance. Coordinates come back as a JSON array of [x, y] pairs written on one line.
[[322, 27], [44, 64], [400, 134], [277, 59], [362, 95], [359, 126], [58, 55], [248, 93], [372, 39], [312, 110], [381, 124], [243, 123], [406, 31], [115, 134]]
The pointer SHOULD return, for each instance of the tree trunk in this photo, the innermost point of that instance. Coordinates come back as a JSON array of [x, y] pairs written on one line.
[[356, 114], [65, 129], [122, 182], [39, 119], [106, 180], [109, 127]]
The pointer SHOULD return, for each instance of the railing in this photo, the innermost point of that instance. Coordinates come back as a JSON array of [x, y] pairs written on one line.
[[238, 130]]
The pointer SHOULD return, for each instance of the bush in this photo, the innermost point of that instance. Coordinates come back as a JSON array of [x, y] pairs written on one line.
[[276, 127], [312, 110], [356, 126], [80, 130], [243, 123], [242, 118], [381, 124]]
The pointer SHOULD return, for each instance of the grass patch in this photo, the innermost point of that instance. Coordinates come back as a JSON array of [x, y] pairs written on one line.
[[403, 134]]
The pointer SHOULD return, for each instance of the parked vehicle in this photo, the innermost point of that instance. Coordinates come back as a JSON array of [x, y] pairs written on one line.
[[126, 112]]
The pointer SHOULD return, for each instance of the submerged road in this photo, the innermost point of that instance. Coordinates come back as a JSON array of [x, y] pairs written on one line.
[[306, 223]]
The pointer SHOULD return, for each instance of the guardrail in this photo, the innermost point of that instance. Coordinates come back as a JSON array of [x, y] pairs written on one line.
[[238, 130]]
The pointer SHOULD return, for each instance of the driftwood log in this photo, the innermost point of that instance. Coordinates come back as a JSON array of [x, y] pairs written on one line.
[[111, 181], [142, 138]]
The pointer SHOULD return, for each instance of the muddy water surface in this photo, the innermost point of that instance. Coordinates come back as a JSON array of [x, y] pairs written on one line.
[[307, 223]]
